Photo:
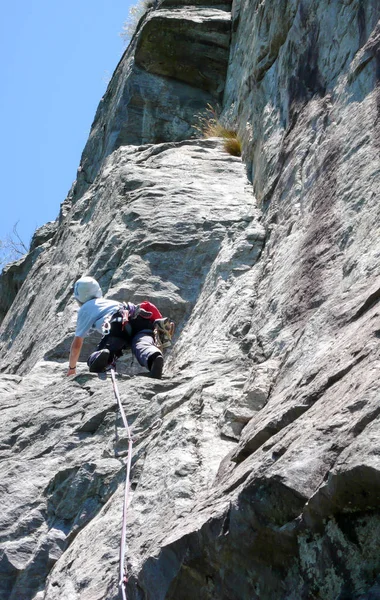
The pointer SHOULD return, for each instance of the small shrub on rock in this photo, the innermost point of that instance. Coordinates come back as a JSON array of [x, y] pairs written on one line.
[[209, 125], [232, 145]]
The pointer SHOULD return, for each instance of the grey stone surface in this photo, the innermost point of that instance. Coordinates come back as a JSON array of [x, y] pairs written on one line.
[[48, 420], [261, 478], [132, 210], [43, 234], [147, 101], [190, 45], [14, 274], [199, 3], [154, 101]]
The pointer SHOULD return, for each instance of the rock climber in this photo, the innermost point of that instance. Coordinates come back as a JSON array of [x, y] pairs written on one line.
[[122, 325]]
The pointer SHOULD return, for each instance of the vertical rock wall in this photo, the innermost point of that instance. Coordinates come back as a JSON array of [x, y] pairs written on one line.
[[255, 471], [303, 91], [174, 66]]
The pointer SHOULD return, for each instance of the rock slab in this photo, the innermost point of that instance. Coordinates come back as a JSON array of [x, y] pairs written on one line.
[[256, 464]]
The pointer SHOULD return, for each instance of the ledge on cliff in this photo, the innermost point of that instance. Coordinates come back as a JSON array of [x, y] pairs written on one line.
[[188, 45]]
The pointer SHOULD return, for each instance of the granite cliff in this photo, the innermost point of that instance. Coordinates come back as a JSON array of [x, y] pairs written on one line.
[[256, 470]]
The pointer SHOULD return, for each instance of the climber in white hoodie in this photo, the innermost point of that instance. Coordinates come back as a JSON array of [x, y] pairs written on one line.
[[122, 325]]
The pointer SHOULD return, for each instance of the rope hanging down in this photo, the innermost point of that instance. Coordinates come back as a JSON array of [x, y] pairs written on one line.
[[123, 575]]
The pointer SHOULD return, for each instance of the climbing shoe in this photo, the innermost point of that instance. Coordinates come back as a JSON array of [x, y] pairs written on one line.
[[157, 366], [98, 361]]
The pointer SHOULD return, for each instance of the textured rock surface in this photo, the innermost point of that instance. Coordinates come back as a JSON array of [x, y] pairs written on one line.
[[256, 471], [150, 226], [48, 421], [180, 67], [14, 274], [201, 39], [199, 3]]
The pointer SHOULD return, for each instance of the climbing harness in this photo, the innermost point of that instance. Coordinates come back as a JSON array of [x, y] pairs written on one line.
[[162, 328], [123, 575], [120, 316], [125, 315]]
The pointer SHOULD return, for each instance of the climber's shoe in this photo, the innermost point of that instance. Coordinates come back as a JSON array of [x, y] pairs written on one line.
[[157, 366], [98, 361]]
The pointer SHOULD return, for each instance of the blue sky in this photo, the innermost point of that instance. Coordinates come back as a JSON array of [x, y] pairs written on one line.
[[56, 61]]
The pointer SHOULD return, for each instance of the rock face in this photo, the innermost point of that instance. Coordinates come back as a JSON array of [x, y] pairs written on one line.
[[14, 274], [177, 261], [201, 39], [256, 468], [175, 65], [159, 215]]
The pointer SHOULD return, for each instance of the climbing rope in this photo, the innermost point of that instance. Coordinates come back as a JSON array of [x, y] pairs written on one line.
[[123, 575]]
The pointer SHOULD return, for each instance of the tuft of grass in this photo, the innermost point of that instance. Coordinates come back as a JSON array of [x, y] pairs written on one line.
[[232, 145], [209, 125], [135, 13]]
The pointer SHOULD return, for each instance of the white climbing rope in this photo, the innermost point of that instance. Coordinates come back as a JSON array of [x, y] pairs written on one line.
[[123, 575]]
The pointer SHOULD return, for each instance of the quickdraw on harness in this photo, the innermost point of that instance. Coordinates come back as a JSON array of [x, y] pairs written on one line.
[[121, 316], [163, 326]]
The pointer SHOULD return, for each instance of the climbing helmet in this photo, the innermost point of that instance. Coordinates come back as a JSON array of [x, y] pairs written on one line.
[[87, 288]]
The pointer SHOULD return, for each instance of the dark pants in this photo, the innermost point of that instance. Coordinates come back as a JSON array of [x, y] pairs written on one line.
[[141, 342]]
